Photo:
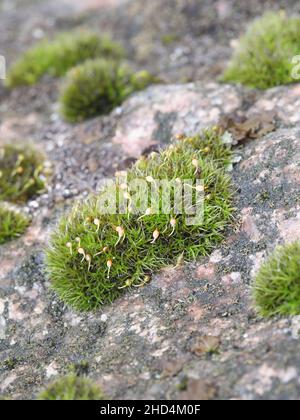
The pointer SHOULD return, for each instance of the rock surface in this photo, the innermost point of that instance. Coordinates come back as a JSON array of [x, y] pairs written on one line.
[[144, 348], [192, 332]]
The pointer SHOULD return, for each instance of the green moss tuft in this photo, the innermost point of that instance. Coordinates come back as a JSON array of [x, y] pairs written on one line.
[[20, 173], [56, 57], [12, 224], [276, 290], [89, 266], [141, 80], [263, 58], [97, 86], [169, 39], [72, 388]]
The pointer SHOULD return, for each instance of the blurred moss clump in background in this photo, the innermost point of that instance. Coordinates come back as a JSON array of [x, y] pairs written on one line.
[[263, 58], [276, 289], [72, 388], [56, 57], [97, 86], [21, 173], [12, 224]]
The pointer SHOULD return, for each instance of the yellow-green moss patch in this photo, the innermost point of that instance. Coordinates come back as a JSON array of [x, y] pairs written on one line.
[[263, 58], [98, 86], [21, 173], [12, 224], [72, 388], [56, 57], [93, 257], [276, 289]]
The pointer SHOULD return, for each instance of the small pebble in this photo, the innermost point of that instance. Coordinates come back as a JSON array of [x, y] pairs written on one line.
[[103, 318], [38, 33], [34, 204]]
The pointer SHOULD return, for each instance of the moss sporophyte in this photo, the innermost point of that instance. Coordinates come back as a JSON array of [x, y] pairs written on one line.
[[172, 203]]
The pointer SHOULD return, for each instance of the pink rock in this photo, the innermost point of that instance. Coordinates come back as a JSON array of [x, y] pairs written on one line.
[[196, 312], [10, 128], [224, 9], [232, 279], [249, 225], [206, 272], [192, 108], [290, 229], [5, 384], [15, 311], [8, 260], [292, 173]]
